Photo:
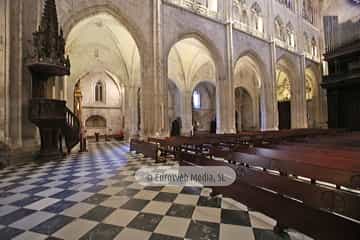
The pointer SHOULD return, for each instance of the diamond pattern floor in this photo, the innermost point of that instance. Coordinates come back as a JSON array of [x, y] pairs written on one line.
[[95, 196]]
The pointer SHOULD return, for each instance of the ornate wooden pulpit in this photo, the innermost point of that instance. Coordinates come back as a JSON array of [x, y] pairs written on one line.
[[54, 120]]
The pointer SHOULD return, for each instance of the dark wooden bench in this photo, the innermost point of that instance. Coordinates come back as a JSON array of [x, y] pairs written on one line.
[[146, 148], [323, 213]]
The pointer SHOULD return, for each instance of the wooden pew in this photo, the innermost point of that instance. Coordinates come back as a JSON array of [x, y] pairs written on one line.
[[311, 209], [309, 157], [148, 149], [212, 144]]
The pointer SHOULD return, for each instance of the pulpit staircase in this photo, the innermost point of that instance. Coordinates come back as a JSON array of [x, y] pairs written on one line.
[[71, 130]]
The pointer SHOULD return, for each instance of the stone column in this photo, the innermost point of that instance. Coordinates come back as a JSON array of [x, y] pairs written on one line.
[[225, 107], [3, 43], [271, 111], [15, 73], [186, 112], [299, 119], [231, 67], [130, 102], [147, 108], [160, 84]]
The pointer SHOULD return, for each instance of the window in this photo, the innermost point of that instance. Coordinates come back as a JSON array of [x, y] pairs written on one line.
[[307, 46], [279, 31], [290, 35], [308, 11], [196, 99], [314, 47], [257, 20], [99, 92], [239, 11]]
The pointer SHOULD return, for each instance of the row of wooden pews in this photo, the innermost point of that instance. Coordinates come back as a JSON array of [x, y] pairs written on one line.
[[203, 143], [302, 180]]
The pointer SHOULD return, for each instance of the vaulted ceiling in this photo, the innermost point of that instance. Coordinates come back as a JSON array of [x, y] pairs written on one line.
[[190, 62], [100, 43]]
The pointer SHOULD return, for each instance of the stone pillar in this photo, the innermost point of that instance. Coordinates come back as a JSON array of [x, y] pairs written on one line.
[[186, 112], [160, 84], [4, 45], [130, 102], [298, 97], [147, 105], [225, 107], [16, 72], [271, 119]]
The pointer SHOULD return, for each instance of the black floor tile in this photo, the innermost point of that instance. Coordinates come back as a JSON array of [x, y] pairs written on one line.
[[15, 216], [135, 204], [27, 201], [8, 233], [98, 213], [52, 225], [96, 199], [122, 183], [6, 194], [191, 190], [11, 187], [166, 197], [127, 192], [59, 206], [36, 190], [64, 194], [96, 180], [153, 188], [67, 185], [203, 230], [235, 217], [145, 221], [209, 202], [178, 210], [95, 189], [102, 232]]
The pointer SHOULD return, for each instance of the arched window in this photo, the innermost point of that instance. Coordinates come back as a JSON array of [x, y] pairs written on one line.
[[236, 10], [307, 45], [290, 35], [308, 11], [99, 92], [239, 11], [196, 99], [314, 47], [257, 20], [244, 17], [279, 29]]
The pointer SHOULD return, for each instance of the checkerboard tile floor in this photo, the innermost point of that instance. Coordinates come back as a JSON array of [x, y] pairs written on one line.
[[95, 196]]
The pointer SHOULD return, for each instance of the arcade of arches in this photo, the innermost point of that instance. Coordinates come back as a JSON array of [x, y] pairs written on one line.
[[141, 73], [141, 69]]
